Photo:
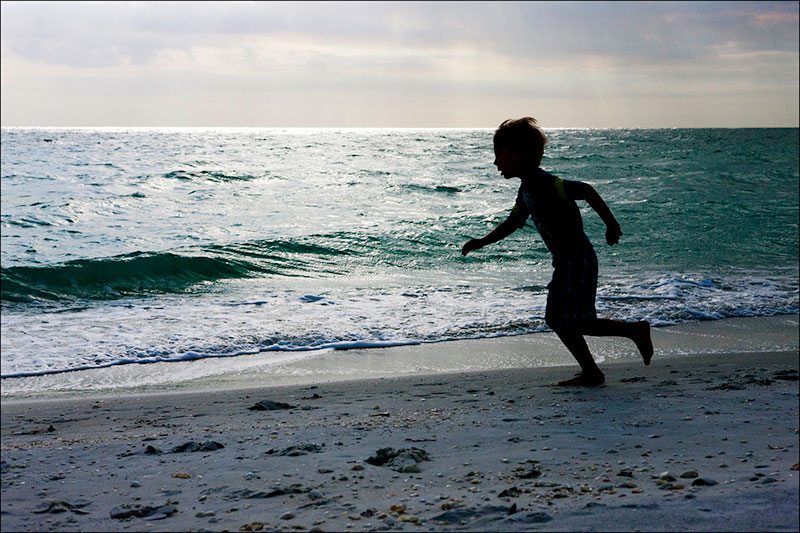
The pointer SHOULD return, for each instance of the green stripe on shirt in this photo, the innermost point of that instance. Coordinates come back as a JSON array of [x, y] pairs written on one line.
[[559, 183]]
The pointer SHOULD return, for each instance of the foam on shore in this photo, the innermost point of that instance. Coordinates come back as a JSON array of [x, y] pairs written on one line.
[[756, 335]]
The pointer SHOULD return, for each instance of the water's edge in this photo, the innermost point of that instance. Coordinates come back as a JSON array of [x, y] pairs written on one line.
[[711, 338]]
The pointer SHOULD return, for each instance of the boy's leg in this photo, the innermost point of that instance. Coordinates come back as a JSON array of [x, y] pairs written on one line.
[[590, 374], [638, 332]]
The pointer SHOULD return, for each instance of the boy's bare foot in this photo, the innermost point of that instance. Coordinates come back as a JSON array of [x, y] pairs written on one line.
[[584, 380], [643, 341]]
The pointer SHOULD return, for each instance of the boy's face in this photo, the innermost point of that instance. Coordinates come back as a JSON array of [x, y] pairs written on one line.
[[508, 163]]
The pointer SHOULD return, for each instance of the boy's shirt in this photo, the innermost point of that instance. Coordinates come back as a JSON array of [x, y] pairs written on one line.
[[547, 200]]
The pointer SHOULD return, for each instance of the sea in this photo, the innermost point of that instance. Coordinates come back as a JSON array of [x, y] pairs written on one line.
[[140, 245]]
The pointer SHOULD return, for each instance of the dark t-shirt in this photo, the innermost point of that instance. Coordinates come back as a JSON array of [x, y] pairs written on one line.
[[547, 200]]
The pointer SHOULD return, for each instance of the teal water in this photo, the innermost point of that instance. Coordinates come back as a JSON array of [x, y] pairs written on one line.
[[141, 245]]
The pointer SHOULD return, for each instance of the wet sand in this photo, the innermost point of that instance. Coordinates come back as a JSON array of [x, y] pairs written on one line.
[[704, 442]]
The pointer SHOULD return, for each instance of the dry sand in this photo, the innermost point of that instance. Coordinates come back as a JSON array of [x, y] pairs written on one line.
[[706, 442]]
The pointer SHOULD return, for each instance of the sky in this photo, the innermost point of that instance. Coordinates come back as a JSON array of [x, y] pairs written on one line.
[[399, 64]]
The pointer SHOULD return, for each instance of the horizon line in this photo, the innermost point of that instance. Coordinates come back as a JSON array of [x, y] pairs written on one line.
[[395, 127]]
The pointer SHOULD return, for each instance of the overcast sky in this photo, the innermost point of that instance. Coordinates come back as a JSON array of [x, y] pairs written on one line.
[[404, 64]]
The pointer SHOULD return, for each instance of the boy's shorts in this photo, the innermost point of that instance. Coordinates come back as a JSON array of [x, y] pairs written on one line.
[[571, 293]]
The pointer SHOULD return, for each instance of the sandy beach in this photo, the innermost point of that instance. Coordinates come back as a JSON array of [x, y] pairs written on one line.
[[693, 442]]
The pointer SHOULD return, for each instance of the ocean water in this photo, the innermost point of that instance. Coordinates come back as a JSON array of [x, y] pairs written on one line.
[[136, 245]]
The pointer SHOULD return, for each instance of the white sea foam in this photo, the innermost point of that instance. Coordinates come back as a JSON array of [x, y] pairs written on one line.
[[180, 328]]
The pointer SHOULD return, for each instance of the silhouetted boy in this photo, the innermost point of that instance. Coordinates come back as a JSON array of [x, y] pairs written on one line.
[[550, 202]]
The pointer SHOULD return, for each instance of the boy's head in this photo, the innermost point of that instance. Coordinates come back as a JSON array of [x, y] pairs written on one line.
[[523, 138]]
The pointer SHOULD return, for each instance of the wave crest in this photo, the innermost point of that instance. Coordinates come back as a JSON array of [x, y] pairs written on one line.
[[114, 277], [142, 273]]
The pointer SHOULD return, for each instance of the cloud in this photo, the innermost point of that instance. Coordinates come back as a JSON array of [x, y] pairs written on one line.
[[110, 33], [465, 55]]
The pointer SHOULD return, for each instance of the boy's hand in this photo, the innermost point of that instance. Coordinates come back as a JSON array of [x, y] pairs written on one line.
[[613, 233], [473, 244]]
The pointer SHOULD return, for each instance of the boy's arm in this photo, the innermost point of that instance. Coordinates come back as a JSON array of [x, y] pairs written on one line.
[[503, 230], [584, 191]]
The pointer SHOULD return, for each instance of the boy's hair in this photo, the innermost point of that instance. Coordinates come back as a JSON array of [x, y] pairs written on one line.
[[523, 137]]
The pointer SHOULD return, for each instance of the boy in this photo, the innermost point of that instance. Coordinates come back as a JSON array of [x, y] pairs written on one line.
[[550, 202]]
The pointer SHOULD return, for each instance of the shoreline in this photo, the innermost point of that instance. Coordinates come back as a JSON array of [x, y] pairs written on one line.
[[538, 350], [704, 441]]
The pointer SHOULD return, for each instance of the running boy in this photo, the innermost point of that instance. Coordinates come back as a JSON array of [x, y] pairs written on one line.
[[550, 202]]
